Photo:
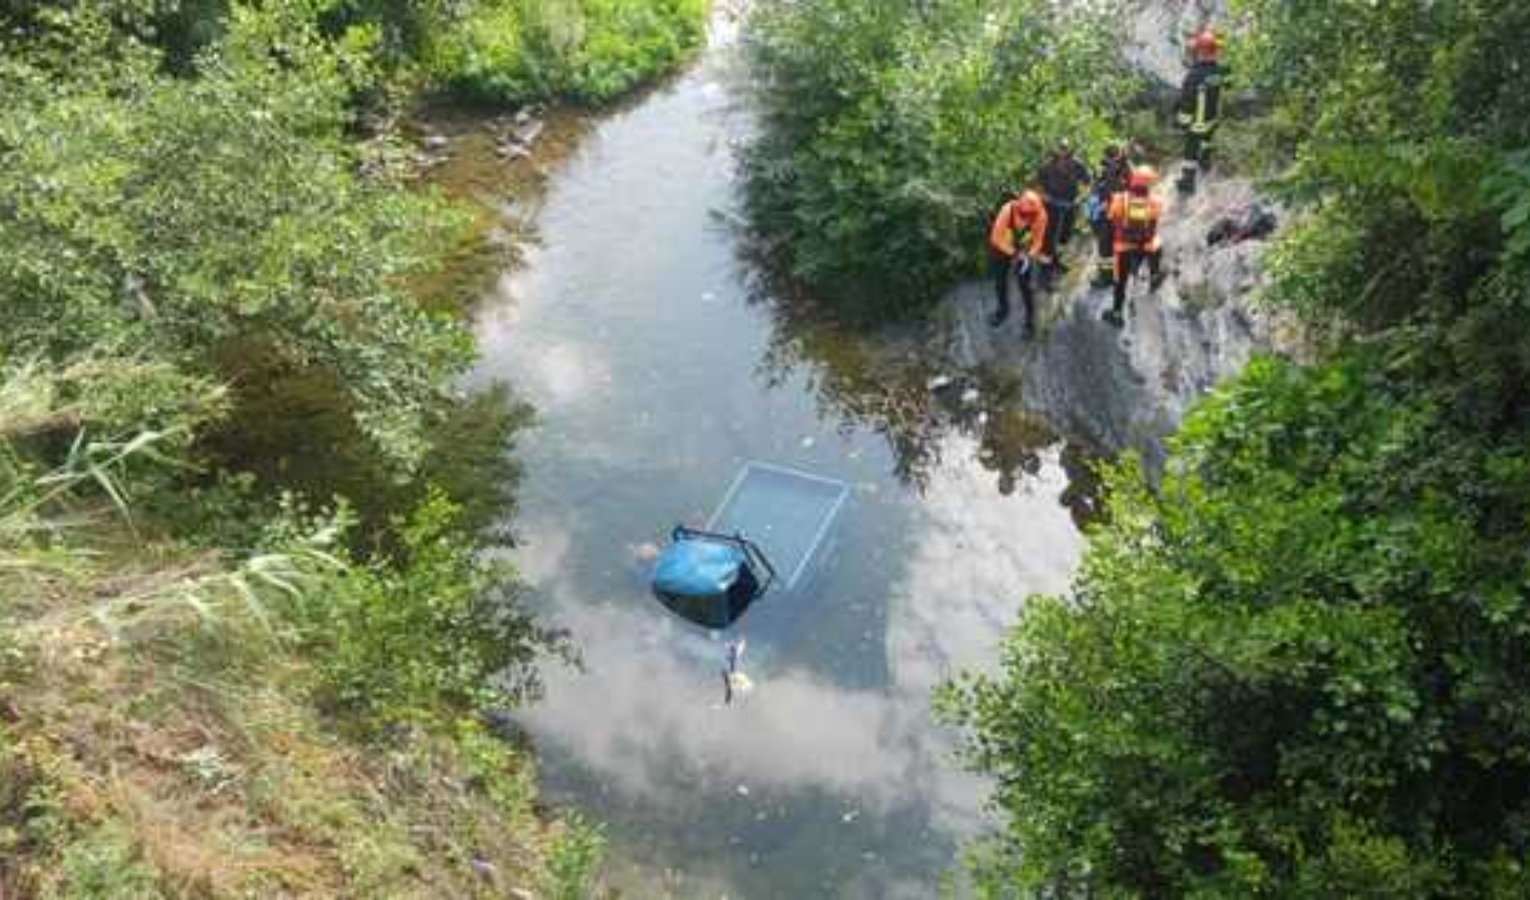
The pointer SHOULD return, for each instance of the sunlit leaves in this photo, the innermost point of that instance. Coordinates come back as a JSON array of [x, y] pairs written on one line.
[[1508, 188], [1399, 110], [585, 50]]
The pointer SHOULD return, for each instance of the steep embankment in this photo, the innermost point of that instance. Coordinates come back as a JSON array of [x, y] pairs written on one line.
[[157, 741], [1297, 667], [1129, 388], [248, 641]]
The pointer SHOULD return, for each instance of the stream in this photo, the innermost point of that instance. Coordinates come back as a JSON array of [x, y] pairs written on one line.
[[659, 364]]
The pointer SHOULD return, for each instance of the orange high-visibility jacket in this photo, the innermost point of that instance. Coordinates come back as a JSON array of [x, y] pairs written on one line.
[[1134, 218], [1022, 220]]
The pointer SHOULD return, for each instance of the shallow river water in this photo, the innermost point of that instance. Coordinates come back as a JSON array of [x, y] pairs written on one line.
[[658, 368]]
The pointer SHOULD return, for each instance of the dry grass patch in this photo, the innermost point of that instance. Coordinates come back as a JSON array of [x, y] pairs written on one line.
[[149, 752]]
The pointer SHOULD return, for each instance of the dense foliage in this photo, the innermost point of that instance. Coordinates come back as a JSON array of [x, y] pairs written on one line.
[[210, 296], [240, 664], [1397, 138], [152, 214], [491, 51], [891, 131], [1297, 668], [590, 50], [438, 632]]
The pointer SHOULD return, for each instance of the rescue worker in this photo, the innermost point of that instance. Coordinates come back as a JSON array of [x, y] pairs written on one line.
[[1199, 107], [1061, 177], [1017, 243], [1114, 168], [1134, 216]]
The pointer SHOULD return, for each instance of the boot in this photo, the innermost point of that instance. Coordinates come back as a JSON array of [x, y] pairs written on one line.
[[998, 318], [1112, 317], [1156, 281], [1029, 331], [1186, 182]]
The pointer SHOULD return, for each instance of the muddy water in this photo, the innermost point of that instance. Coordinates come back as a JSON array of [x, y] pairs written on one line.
[[658, 369]]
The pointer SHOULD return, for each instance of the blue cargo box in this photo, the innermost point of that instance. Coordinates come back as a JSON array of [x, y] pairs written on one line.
[[767, 530]]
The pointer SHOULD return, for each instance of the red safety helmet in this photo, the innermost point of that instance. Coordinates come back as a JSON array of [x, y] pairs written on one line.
[[1205, 45], [1142, 178]]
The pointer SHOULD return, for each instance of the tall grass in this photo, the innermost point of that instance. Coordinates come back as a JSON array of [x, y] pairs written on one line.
[[49, 497]]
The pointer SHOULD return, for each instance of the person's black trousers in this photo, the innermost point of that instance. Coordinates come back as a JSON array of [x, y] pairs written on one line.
[[1127, 264], [1060, 222], [1105, 249], [1000, 267], [1198, 146]]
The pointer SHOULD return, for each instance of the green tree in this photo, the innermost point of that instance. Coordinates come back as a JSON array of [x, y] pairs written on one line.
[[590, 51], [150, 214], [891, 131], [1293, 667], [1296, 667]]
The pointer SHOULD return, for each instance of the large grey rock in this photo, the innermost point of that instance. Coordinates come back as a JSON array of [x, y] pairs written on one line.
[[1155, 32], [1128, 389]]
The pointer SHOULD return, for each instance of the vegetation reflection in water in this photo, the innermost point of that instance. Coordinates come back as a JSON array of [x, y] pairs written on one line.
[[656, 373]]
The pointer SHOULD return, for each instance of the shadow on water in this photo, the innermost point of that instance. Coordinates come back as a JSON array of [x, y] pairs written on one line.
[[890, 384], [293, 429]]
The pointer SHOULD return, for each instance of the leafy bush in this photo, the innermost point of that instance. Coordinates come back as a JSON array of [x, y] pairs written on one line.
[[588, 50], [179, 211], [104, 865], [1295, 669], [170, 217], [575, 859], [1400, 113], [891, 131], [435, 635]]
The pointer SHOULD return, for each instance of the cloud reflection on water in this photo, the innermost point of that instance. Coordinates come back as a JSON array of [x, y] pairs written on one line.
[[647, 709]]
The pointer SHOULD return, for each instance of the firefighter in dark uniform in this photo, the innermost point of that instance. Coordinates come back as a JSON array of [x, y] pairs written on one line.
[[1199, 108]]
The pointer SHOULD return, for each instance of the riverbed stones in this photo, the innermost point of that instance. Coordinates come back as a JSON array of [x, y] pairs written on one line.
[[519, 138], [1128, 389], [526, 134]]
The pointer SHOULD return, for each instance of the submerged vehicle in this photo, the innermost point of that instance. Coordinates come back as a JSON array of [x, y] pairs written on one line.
[[763, 536]]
